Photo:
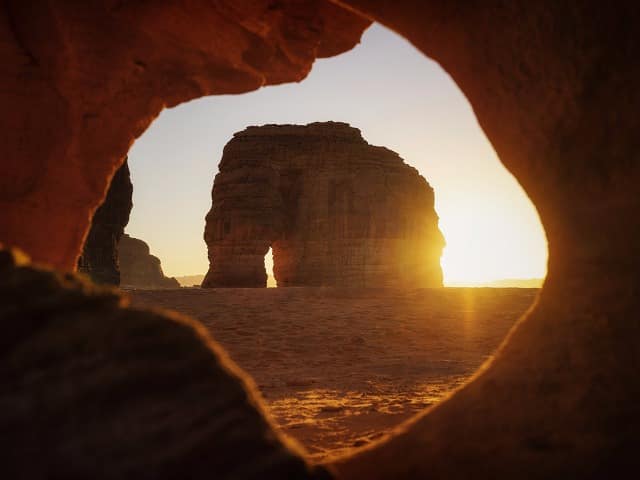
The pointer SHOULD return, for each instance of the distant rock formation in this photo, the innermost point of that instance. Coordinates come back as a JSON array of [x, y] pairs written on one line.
[[138, 268], [336, 211], [112, 257], [99, 259]]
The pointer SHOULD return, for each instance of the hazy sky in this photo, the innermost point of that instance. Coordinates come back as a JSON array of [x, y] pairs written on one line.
[[397, 98]]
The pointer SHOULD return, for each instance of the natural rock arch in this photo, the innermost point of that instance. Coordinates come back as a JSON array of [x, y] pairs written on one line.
[[336, 211], [553, 85]]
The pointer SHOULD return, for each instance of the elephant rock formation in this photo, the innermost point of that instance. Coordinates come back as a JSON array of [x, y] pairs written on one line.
[[336, 211]]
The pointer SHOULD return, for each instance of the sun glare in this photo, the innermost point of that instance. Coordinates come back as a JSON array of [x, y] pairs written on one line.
[[483, 247]]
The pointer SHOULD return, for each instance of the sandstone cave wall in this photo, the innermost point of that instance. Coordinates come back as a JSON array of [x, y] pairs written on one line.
[[335, 210], [110, 256]]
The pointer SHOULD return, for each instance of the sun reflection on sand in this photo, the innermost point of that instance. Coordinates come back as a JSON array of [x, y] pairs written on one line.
[[332, 422]]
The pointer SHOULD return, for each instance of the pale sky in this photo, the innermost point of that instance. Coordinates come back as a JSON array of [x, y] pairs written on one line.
[[398, 98]]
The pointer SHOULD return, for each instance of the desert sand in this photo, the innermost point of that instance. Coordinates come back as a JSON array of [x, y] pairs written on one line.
[[340, 368]]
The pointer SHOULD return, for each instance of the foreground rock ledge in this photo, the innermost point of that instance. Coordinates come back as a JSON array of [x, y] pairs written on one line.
[[98, 389], [336, 211]]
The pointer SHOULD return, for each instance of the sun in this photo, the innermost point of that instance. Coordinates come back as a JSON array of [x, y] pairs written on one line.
[[494, 239]]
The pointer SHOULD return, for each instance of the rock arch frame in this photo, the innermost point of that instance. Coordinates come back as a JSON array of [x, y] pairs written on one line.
[[554, 87]]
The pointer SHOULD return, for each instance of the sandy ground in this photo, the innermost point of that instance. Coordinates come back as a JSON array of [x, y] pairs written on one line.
[[340, 368]]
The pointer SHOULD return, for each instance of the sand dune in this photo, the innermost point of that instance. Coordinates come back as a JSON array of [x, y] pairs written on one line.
[[340, 368]]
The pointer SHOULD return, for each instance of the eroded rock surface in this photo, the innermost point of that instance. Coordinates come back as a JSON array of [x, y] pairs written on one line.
[[99, 257], [138, 268], [97, 389], [335, 210]]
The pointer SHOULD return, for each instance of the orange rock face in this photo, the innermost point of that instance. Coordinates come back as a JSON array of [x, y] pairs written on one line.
[[336, 210], [553, 84], [82, 81]]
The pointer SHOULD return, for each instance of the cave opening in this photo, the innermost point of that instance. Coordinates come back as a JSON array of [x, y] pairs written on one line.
[[492, 231], [488, 222], [277, 183]]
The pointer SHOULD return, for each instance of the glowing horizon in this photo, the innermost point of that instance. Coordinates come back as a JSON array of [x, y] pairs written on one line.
[[398, 99]]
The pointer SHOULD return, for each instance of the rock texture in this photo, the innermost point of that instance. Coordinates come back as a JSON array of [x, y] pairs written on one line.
[[82, 81], [77, 390], [336, 211], [554, 85], [99, 257], [138, 268]]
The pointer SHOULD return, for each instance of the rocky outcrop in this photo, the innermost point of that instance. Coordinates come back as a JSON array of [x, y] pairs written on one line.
[[336, 211], [138, 268], [112, 257], [99, 390], [99, 257]]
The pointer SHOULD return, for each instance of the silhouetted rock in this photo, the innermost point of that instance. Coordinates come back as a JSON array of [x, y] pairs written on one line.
[[138, 268], [335, 210], [73, 102], [99, 390], [99, 257], [112, 257]]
